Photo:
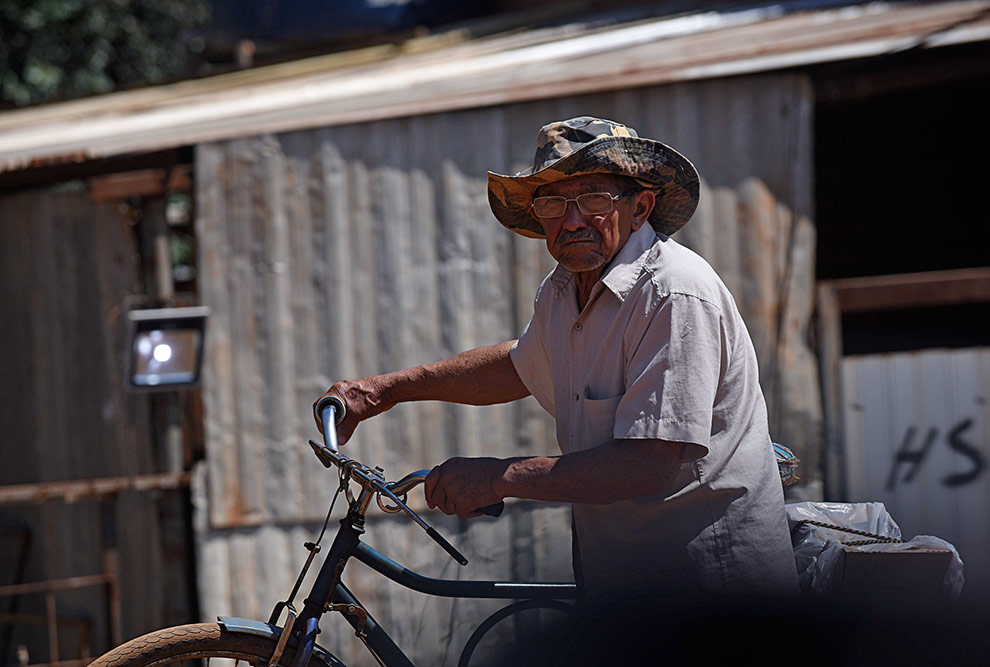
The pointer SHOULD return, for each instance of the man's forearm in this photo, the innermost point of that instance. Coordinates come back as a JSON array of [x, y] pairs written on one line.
[[614, 471], [482, 376], [618, 470]]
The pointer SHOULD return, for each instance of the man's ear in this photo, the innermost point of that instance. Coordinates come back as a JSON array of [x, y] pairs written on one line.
[[645, 201]]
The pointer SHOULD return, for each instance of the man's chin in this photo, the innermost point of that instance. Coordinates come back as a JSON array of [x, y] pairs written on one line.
[[581, 262]]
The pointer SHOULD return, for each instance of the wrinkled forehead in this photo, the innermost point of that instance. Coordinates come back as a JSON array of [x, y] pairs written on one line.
[[576, 185]]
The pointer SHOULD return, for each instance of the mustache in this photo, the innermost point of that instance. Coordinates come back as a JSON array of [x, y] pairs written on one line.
[[579, 235]]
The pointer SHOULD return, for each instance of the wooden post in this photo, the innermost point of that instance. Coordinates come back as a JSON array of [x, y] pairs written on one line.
[[52, 617], [829, 355], [111, 566]]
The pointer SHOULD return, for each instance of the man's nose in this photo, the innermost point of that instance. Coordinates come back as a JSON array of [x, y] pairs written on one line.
[[573, 217]]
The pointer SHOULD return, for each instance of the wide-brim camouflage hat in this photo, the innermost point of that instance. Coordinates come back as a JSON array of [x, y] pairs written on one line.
[[588, 145]]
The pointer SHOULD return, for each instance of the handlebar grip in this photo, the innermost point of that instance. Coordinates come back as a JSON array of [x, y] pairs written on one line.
[[492, 510], [330, 408], [340, 410]]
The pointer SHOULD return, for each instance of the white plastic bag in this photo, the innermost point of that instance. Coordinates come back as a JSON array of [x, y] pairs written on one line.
[[817, 549]]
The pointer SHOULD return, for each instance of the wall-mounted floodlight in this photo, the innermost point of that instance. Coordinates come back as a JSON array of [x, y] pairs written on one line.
[[165, 346]]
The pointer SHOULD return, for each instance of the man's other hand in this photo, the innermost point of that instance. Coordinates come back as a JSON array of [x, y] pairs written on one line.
[[463, 485], [363, 399]]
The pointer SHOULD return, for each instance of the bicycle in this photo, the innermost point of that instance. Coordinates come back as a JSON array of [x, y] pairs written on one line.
[[293, 644]]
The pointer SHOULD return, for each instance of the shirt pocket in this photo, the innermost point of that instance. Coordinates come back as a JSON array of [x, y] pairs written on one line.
[[599, 420]]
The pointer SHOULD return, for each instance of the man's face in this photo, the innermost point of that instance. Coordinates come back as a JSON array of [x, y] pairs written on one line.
[[583, 242]]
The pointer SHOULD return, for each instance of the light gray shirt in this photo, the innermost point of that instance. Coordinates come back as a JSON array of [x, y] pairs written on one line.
[[660, 352]]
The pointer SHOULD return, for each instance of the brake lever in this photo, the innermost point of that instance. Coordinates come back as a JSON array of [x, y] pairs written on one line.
[[437, 537], [325, 455], [321, 453]]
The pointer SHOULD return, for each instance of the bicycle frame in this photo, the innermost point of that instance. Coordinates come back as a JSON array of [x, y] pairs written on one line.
[[330, 594]]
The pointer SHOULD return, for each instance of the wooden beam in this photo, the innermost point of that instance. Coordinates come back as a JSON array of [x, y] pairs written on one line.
[[913, 290], [140, 183], [40, 177], [75, 490], [853, 80]]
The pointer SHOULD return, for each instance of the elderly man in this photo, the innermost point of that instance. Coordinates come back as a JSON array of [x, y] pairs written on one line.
[[638, 351]]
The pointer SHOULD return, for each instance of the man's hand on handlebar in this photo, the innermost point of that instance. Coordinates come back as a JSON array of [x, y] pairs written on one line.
[[466, 487], [362, 399], [463, 485]]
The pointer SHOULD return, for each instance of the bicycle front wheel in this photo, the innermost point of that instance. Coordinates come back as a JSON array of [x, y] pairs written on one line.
[[203, 644]]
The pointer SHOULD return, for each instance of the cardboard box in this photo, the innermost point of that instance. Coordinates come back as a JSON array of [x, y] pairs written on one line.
[[915, 574]]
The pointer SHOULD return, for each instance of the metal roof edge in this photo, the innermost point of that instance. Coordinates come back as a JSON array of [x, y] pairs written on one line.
[[379, 83]]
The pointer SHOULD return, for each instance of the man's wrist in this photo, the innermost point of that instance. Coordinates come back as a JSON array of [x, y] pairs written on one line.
[[502, 485], [519, 474]]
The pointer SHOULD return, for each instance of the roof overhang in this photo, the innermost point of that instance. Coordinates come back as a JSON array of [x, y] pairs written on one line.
[[390, 82]]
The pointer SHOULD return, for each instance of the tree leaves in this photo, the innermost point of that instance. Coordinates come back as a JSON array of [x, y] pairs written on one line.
[[58, 49]]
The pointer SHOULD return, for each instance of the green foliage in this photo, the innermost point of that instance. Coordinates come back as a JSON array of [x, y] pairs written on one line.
[[58, 49]]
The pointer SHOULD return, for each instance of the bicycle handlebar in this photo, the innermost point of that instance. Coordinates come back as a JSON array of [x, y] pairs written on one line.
[[372, 481], [414, 479], [332, 410]]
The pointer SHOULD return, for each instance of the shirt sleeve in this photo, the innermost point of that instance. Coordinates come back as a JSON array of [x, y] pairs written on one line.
[[672, 374], [530, 359]]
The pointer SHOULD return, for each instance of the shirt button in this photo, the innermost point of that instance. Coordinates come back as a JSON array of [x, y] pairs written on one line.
[[578, 326], [577, 397]]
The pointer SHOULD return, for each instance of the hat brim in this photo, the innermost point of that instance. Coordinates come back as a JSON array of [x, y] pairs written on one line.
[[647, 160]]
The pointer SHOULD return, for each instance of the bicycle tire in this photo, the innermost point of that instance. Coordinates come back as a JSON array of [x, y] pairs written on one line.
[[198, 644]]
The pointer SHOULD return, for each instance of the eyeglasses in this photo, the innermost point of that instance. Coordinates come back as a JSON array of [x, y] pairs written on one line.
[[590, 203]]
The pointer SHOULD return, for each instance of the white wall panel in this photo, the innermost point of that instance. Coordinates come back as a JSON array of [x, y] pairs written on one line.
[[917, 437]]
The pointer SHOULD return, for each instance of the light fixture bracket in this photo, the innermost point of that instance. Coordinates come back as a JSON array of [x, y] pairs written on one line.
[[165, 347]]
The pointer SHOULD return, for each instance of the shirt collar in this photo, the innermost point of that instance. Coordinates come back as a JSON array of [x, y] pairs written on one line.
[[623, 271], [627, 265]]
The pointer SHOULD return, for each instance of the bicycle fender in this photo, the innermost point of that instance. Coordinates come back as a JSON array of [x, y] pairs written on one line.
[[252, 627]]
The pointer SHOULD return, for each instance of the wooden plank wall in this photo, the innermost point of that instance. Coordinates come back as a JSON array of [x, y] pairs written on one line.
[[67, 265], [354, 250]]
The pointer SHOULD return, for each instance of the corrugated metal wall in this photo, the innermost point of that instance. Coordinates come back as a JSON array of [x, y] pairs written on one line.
[[67, 265], [354, 250], [916, 428]]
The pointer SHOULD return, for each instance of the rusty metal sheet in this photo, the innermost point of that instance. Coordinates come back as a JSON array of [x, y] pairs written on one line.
[[499, 70]]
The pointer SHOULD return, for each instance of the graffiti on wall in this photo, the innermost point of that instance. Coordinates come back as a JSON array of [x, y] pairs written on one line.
[[910, 456]]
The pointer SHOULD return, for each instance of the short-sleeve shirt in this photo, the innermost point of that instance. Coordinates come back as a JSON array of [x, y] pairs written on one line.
[[660, 352]]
